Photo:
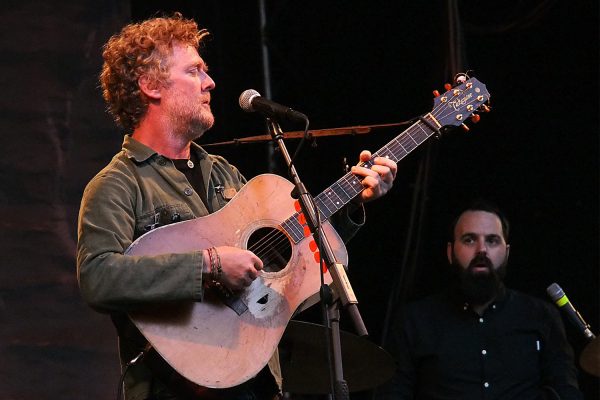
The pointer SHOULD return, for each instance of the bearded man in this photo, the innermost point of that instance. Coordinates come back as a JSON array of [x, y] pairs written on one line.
[[479, 339]]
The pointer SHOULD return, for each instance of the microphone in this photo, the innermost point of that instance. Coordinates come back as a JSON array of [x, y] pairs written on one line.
[[251, 100], [560, 298]]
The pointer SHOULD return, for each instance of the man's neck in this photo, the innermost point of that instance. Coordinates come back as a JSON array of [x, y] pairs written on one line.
[[156, 135]]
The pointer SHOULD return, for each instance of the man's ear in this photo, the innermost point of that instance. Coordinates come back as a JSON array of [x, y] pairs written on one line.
[[507, 250], [449, 252], [149, 87]]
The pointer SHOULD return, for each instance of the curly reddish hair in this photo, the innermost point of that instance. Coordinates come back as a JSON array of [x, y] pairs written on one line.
[[141, 49]]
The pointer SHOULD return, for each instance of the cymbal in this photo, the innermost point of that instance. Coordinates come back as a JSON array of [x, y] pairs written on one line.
[[590, 357], [303, 357], [347, 130]]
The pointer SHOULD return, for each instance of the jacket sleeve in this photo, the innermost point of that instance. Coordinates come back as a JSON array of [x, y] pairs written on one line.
[[112, 281], [348, 221]]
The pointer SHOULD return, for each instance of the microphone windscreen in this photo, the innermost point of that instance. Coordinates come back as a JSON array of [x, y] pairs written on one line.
[[246, 99], [555, 292]]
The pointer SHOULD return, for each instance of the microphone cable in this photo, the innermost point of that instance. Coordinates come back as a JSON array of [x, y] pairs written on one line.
[[133, 361]]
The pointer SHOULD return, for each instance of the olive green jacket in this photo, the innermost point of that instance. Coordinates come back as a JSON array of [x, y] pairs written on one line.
[[140, 190]]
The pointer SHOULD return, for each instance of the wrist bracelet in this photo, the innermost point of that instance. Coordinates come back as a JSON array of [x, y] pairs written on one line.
[[216, 271]]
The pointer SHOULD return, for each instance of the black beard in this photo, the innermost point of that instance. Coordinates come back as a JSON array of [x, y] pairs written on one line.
[[480, 288]]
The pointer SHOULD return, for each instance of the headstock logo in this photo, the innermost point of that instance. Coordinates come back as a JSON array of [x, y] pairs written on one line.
[[460, 102]]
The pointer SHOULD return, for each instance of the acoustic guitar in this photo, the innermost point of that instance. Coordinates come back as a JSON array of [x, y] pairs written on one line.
[[219, 343]]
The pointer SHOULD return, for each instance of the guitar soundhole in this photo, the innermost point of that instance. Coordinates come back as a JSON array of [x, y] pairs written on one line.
[[272, 246]]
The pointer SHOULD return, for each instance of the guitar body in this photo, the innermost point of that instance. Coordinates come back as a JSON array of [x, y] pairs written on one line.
[[208, 342]]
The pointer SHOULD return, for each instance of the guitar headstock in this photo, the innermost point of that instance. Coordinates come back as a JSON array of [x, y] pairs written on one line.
[[459, 103]]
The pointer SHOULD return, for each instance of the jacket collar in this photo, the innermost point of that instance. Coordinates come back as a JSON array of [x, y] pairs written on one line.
[[140, 152]]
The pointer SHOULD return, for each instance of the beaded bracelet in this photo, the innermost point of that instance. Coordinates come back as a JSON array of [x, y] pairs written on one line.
[[209, 269], [211, 258], [216, 271]]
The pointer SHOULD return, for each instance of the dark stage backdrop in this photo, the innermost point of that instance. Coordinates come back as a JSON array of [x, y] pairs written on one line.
[[341, 63]]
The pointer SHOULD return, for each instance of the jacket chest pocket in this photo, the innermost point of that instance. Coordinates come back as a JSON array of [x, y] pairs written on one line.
[[223, 194], [161, 216]]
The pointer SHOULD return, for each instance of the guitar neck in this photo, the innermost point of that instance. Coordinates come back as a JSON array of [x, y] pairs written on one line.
[[349, 186]]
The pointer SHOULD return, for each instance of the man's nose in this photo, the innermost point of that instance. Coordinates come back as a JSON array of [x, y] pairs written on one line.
[[481, 247], [208, 83]]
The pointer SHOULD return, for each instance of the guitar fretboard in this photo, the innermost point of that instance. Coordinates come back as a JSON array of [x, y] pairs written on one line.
[[349, 186]]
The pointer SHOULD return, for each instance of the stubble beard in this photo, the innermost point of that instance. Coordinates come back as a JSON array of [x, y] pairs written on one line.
[[192, 127], [190, 120]]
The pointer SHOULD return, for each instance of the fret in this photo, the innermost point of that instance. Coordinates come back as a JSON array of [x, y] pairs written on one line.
[[293, 228], [321, 203], [335, 196], [420, 134], [408, 134]]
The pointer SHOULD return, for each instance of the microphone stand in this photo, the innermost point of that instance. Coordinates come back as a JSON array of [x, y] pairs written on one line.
[[342, 288]]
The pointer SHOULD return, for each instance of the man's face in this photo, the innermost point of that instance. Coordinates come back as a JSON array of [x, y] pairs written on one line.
[[186, 97], [480, 253], [478, 242]]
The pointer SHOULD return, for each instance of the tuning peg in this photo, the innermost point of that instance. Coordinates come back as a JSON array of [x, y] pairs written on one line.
[[475, 118], [436, 93], [485, 108], [447, 86], [465, 127]]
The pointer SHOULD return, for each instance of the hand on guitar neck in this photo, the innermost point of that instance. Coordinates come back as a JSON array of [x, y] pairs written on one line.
[[378, 176]]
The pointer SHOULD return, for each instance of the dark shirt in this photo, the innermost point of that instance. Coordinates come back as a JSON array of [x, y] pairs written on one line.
[[516, 350], [192, 171]]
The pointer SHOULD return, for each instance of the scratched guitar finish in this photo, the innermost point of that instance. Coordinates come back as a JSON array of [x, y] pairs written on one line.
[[219, 345]]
